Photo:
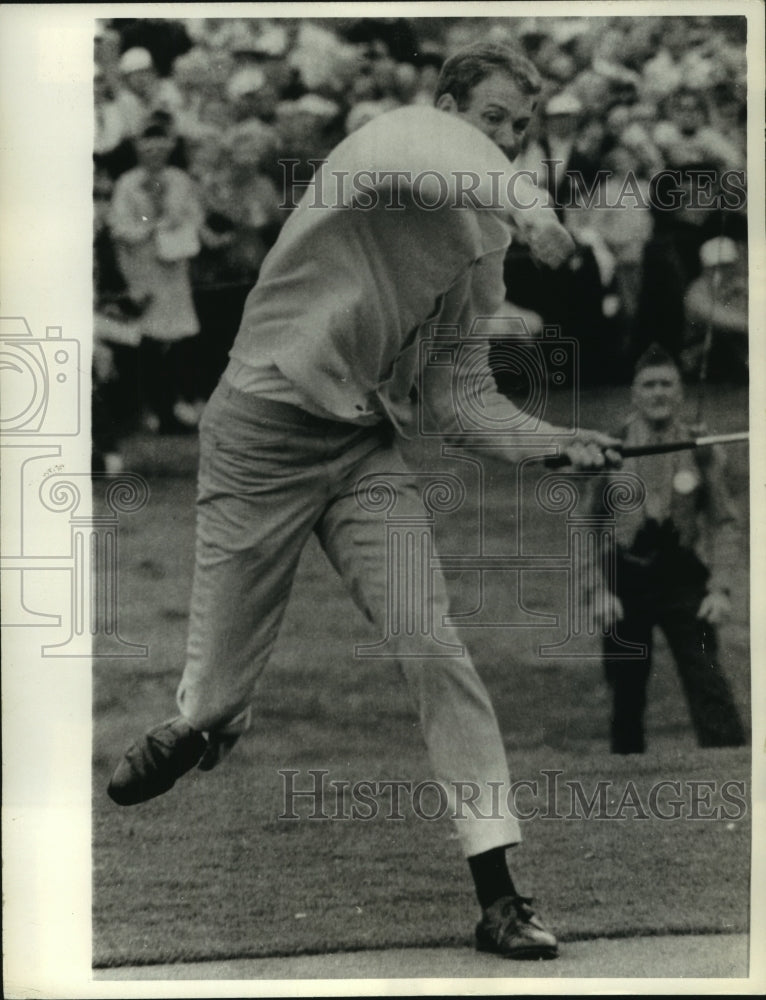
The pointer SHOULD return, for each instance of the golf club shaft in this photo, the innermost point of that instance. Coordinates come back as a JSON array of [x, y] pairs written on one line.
[[639, 450]]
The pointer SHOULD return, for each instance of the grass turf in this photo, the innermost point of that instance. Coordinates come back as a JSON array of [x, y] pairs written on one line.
[[210, 871]]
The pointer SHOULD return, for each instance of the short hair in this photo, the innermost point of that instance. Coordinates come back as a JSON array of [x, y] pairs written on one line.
[[468, 67], [655, 356]]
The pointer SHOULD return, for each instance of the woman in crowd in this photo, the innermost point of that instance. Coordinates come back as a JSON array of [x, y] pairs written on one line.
[[155, 221]]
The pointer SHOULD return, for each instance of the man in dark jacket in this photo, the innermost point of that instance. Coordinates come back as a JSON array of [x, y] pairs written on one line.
[[673, 555]]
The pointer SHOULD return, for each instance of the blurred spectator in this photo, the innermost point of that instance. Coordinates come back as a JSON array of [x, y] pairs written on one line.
[[686, 137], [252, 40], [251, 95], [640, 40], [716, 306], [630, 126], [308, 129], [197, 82], [142, 91], [633, 95], [567, 158], [215, 112], [696, 52], [428, 66], [179, 151], [365, 111], [580, 42], [392, 37], [106, 51], [728, 116], [242, 221], [662, 74], [670, 568], [164, 39], [155, 220], [112, 147], [606, 81], [324, 63], [566, 147], [671, 257], [625, 228], [116, 336]]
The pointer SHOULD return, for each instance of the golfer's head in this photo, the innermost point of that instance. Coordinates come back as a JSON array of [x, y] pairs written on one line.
[[494, 88], [657, 389]]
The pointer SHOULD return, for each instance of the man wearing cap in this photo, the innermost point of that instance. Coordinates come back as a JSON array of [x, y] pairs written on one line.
[[324, 390], [672, 568], [251, 94], [143, 91]]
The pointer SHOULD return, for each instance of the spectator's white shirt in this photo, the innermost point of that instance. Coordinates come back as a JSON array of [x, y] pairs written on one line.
[[110, 127]]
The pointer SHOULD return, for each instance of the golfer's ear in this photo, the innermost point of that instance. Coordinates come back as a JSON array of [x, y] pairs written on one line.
[[447, 103]]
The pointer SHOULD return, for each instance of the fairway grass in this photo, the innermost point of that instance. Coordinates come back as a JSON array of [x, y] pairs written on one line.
[[210, 871]]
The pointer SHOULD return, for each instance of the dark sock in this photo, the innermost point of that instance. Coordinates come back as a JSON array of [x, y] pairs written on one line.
[[491, 876]]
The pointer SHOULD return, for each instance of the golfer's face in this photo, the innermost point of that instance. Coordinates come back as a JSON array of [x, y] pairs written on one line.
[[657, 392], [499, 108]]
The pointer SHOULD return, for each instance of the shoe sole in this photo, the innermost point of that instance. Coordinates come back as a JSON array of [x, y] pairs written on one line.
[[530, 951], [544, 952]]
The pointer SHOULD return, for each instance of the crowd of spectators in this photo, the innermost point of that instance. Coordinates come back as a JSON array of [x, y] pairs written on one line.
[[194, 119]]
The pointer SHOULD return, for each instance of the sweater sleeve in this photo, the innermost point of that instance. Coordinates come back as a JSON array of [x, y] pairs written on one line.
[[447, 161], [461, 399]]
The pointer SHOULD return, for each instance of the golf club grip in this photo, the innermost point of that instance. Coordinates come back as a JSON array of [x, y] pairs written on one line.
[[630, 451]]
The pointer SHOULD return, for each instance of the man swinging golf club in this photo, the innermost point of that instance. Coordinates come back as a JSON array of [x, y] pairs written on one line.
[[322, 390]]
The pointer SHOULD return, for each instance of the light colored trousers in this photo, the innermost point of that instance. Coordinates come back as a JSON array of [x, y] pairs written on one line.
[[269, 475]]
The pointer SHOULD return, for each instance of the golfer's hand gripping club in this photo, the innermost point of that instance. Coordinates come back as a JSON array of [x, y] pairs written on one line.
[[588, 450]]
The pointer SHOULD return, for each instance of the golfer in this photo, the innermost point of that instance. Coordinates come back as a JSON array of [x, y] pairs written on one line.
[[405, 228]]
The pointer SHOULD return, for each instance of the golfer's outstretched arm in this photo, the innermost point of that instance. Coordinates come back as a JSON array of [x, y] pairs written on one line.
[[455, 164], [497, 426]]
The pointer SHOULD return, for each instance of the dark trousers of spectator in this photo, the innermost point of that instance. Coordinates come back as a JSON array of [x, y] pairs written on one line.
[[104, 431], [115, 403], [668, 596], [219, 310], [569, 298], [168, 374], [727, 359]]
